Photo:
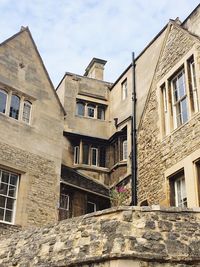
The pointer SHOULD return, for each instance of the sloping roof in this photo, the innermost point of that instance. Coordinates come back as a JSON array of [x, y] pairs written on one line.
[[26, 29], [76, 179]]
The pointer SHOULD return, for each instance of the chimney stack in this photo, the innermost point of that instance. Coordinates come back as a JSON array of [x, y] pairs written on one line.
[[95, 69]]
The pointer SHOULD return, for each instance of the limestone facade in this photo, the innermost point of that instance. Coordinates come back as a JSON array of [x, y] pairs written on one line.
[[31, 124]]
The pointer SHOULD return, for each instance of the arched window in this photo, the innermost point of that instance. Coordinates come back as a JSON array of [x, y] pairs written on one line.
[[80, 109], [14, 107], [26, 111], [3, 101]]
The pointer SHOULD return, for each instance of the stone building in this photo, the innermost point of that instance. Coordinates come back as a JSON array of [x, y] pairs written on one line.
[[31, 126], [62, 151], [97, 131]]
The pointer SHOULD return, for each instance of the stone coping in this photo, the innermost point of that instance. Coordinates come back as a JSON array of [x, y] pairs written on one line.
[[150, 234]]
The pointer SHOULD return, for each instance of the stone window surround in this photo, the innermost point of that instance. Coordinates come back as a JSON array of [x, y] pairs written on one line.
[[23, 99], [188, 164], [79, 149], [183, 63], [95, 105]]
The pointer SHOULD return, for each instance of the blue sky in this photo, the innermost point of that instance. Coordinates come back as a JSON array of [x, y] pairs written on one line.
[[69, 33]]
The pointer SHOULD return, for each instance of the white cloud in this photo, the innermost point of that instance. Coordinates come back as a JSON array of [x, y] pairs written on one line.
[[69, 33]]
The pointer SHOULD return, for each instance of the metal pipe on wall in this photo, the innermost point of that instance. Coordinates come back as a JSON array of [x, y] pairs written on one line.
[[133, 138]]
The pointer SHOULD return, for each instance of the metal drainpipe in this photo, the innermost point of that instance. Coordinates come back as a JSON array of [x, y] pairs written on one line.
[[134, 138]]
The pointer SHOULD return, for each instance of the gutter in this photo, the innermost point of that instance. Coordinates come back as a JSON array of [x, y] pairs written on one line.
[[133, 139]]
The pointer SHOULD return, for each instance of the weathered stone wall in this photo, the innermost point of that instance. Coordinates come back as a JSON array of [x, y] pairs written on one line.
[[37, 196], [155, 156], [143, 236], [7, 229]]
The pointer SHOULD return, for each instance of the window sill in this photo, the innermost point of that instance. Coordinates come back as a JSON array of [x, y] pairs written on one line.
[[6, 117], [118, 164], [90, 167], [90, 118], [8, 223], [180, 127]]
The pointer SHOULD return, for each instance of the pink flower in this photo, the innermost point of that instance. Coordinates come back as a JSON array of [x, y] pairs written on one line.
[[121, 189]]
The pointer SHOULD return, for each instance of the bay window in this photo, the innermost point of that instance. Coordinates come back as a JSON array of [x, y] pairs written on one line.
[[90, 111], [80, 109]]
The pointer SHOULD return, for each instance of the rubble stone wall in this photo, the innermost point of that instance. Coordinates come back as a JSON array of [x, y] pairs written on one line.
[[125, 236]]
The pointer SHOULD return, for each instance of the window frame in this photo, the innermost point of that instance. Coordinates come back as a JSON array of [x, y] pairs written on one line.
[[76, 155], [124, 150], [193, 83], [13, 214], [68, 200], [178, 100], [78, 102], [124, 89], [101, 108], [94, 205], [91, 107], [27, 102], [97, 156], [6, 93]]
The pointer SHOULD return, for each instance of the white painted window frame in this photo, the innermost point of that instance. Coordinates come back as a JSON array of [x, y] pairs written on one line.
[[175, 103], [15, 198], [94, 205], [67, 197], [194, 85], [124, 89], [124, 150], [181, 192]]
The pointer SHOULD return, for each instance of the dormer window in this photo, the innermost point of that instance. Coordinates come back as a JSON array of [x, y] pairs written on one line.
[[14, 107], [3, 100]]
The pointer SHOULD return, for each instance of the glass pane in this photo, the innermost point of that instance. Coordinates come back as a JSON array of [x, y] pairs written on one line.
[[80, 108], [14, 107], [8, 216], [13, 179], [102, 157], [10, 203], [101, 113], [178, 114], [85, 154], [3, 99], [1, 214], [91, 207], [64, 202], [26, 112], [184, 110], [2, 201], [3, 189], [181, 80], [175, 90], [91, 112], [5, 177], [11, 191], [94, 156]]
